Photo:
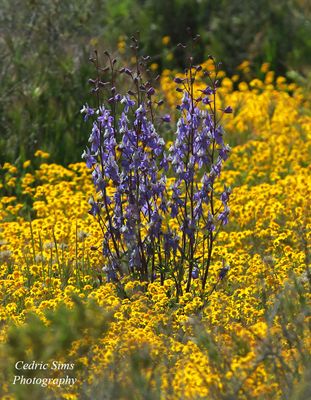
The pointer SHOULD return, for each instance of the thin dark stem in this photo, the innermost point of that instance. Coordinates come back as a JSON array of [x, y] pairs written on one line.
[[209, 257]]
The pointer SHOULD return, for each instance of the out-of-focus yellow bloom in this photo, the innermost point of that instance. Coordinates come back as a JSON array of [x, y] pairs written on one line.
[[265, 67], [11, 168], [41, 154], [166, 40], [243, 86], [26, 164], [121, 45], [154, 66], [94, 41], [244, 65], [269, 77], [221, 74], [256, 83], [169, 56]]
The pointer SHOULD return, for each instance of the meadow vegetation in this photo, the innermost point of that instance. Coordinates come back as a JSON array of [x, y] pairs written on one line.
[[45, 45], [248, 337]]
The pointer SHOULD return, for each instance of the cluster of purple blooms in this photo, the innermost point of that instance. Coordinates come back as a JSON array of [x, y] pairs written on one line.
[[127, 153]]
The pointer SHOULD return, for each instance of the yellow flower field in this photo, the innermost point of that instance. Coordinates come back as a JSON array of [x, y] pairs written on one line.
[[249, 340]]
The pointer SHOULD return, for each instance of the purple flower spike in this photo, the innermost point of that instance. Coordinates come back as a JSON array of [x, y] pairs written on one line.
[[130, 170]]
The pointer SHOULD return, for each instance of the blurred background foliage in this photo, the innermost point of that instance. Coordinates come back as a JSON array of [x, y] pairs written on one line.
[[45, 46]]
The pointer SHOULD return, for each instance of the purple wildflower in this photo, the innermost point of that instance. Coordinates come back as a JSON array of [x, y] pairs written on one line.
[[89, 158], [128, 103], [224, 215], [223, 272], [127, 154], [228, 110], [87, 111], [210, 226], [166, 118], [94, 208], [195, 273]]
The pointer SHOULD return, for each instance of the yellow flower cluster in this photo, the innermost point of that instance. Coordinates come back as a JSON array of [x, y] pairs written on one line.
[[193, 349]]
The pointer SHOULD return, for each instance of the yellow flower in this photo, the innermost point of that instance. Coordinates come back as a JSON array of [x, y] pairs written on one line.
[[169, 56], [166, 40], [265, 67], [41, 154], [244, 65], [243, 86], [269, 77], [26, 164], [122, 46], [94, 41], [154, 66], [256, 83]]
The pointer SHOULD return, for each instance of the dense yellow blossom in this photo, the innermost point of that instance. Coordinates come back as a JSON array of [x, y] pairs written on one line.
[[201, 349]]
